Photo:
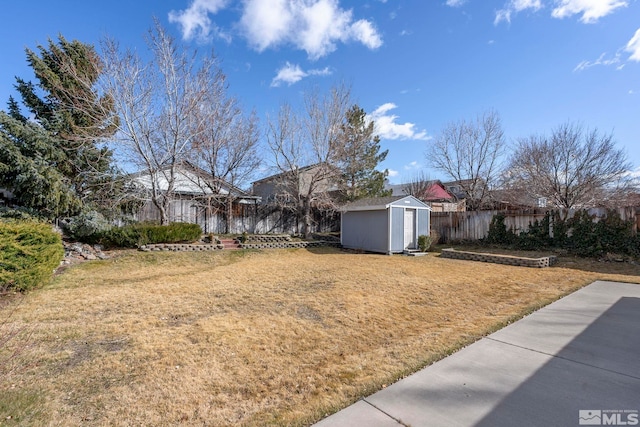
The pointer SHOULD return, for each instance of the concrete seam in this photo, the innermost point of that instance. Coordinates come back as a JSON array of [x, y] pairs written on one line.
[[386, 413], [564, 358]]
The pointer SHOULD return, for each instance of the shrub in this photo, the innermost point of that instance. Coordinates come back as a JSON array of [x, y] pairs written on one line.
[[582, 234], [609, 234], [136, 235], [17, 213], [424, 242], [86, 227], [537, 236], [498, 232], [29, 253]]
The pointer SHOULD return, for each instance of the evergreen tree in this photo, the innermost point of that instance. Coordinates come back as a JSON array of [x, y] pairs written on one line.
[[62, 141], [26, 168], [14, 110], [358, 157]]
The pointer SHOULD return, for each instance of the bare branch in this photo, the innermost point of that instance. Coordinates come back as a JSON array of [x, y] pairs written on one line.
[[572, 168], [470, 153]]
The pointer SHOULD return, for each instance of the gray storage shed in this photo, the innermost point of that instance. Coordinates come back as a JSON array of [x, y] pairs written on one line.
[[384, 224]]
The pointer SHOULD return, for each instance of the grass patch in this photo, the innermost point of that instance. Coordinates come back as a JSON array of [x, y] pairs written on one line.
[[278, 337], [21, 408]]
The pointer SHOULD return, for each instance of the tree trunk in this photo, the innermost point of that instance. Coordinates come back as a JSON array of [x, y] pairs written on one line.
[[229, 207], [306, 216], [162, 208]]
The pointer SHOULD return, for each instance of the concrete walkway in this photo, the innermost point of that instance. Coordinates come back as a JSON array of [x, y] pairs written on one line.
[[574, 362]]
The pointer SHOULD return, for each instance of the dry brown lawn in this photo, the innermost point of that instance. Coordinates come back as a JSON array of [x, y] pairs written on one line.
[[280, 337]]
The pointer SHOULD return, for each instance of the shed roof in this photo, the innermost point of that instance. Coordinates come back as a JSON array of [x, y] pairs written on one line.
[[379, 203]]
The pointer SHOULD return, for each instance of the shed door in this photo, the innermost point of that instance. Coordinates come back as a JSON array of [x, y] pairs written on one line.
[[409, 228]]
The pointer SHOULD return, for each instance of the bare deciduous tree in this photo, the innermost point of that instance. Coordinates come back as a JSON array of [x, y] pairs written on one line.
[[226, 146], [420, 186], [305, 149], [469, 152], [160, 108], [572, 168]]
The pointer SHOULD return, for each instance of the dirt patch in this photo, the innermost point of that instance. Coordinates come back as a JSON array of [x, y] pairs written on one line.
[[84, 351]]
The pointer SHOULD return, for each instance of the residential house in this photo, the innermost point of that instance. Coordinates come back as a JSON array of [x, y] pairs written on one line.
[[516, 199], [432, 192], [285, 187], [196, 197]]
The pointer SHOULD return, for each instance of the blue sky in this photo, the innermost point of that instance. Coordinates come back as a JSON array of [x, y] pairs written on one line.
[[413, 65]]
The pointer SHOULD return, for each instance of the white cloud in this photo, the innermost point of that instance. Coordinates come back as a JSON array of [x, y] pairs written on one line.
[[194, 21], [365, 33], [602, 60], [387, 128], [456, 3], [591, 10], [314, 26], [516, 6], [633, 46], [266, 22], [292, 73], [393, 173], [412, 166]]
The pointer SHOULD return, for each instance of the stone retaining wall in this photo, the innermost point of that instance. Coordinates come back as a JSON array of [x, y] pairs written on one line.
[[180, 247], [284, 245], [500, 259], [253, 245], [268, 238]]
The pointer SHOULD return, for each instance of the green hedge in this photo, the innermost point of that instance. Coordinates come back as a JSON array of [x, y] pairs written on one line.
[[136, 235], [582, 234], [29, 253]]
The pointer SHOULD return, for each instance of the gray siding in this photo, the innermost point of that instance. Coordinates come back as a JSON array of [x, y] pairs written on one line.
[[397, 229], [266, 190], [366, 230], [423, 222]]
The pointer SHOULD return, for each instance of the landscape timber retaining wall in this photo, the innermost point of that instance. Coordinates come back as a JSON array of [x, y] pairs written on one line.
[[546, 261]]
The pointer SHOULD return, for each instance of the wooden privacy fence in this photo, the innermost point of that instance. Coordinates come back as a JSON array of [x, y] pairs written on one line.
[[474, 225], [250, 218], [262, 219]]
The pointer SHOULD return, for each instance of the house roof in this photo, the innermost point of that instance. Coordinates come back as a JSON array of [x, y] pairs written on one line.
[[192, 180], [379, 203], [282, 174], [434, 191]]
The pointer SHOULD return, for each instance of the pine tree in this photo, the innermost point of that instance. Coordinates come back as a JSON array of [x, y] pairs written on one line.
[[69, 121], [358, 157], [27, 168]]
